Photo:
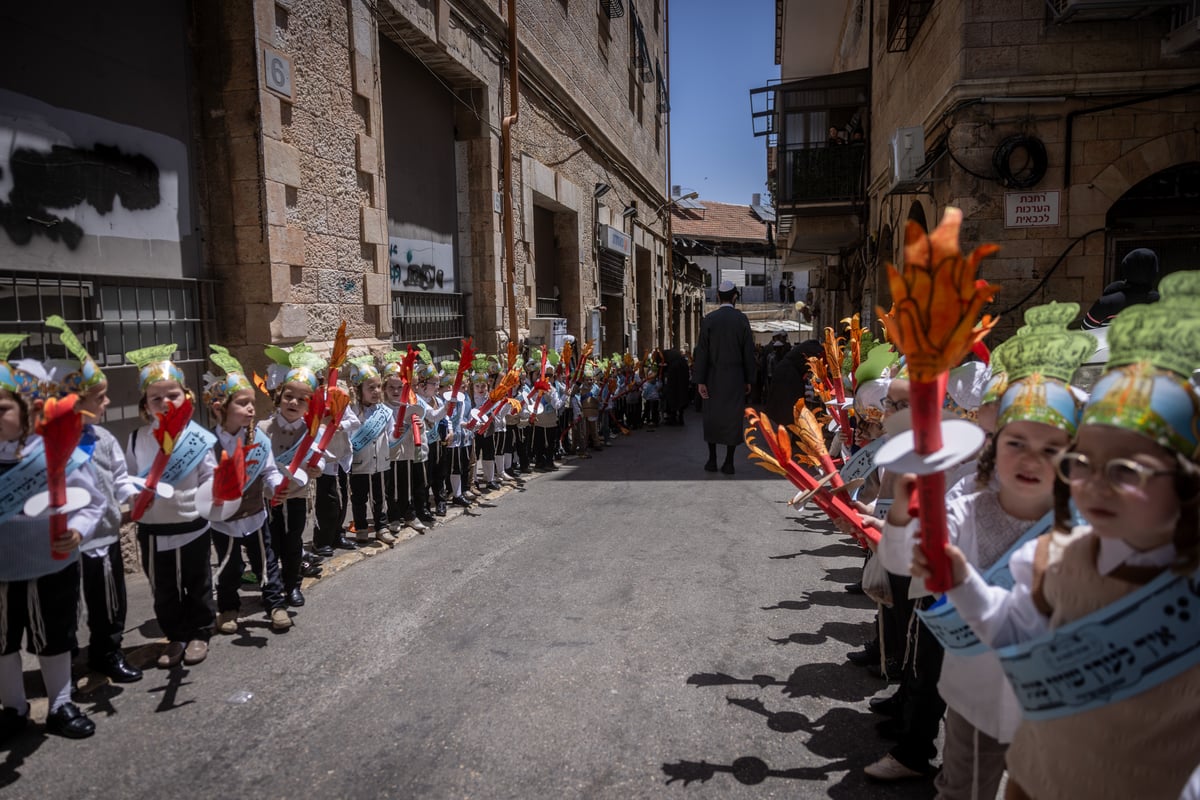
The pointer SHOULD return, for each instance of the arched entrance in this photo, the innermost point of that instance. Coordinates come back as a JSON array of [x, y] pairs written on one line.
[[1158, 213]]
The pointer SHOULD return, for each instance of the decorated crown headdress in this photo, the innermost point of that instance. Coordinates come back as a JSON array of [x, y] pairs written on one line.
[[362, 368], [154, 365], [84, 376], [1039, 363], [231, 380], [297, 365], [1152, 351]]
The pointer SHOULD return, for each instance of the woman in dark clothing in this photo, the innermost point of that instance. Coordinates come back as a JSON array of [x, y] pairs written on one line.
[[789, 381], [676, 386]]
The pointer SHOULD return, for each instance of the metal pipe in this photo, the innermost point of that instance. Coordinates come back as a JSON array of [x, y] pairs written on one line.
[[668, 335], [514, 112]]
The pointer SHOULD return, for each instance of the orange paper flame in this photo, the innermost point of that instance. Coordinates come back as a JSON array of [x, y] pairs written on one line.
[[60, 426], [341, 348], [937, 299]]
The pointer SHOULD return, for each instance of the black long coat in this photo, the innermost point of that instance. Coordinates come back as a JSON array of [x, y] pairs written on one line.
[[724, 362]]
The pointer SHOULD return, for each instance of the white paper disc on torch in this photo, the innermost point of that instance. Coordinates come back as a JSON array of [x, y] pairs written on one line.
[[39, 505], [164, 490], [960, 441], [798, 502], [848, 487], [299, 477], [214, 513]]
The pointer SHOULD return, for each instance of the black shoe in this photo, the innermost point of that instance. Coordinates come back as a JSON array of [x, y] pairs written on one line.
[[440, 508], [70, 722], [12, 723], [115, 667], [890, 729], [325, 551], [710, 466], [342, 543], [854, 588], [887, 706], [295, 598], [309, 569], [727, 468], [460, 501], [426, 518], [865, 657], [492, 486]]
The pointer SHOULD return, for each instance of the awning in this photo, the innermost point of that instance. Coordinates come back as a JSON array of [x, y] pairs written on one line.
[[780, 326]]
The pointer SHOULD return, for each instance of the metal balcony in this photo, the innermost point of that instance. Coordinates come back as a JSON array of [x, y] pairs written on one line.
[[822, 174]]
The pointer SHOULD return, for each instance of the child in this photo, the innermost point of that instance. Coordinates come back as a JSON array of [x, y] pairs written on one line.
[[544, 418], [291, 382], [432, 410], [400, 480], [482, 380], [231, 397], [39, 576], [173, 537], [428, 380], [329, 500], [651, 392], [369, 447], [101, 563], [1038, 416], [1092, 730], [456, 439]]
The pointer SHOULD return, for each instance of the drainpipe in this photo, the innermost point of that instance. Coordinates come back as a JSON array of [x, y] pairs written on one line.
[[514, 111], [668, 329]]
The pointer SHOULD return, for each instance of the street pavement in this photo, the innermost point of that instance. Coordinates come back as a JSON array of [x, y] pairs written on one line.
[[629, 626]]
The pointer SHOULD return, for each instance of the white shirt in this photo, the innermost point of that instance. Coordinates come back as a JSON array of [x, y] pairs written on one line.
[[182, 506]]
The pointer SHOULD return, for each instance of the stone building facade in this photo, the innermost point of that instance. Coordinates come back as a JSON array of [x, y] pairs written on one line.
[[1066, 132], [256, 171]]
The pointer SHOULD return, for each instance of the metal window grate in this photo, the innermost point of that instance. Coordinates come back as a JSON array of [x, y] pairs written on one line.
[[111, 316], [904, 20], [436, 319], [612, 8]]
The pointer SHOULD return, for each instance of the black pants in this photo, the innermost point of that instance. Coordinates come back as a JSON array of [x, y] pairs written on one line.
[[287, 523], [104, 595], [525, 447], [485, 446], [261, 557], [330, 510], [459, 463], [544, 444], [651, 412], [56, 612], [406, 491], [633, 412], [922, 706], [434, 473], [366, 489], [182, 584]]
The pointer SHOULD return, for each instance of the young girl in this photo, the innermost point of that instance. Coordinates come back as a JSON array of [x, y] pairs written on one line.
[[174, 539], [100, 562], [369, 447], [231, 397], [39, 576], [291, 383], [1105, 716], [1038, 416]]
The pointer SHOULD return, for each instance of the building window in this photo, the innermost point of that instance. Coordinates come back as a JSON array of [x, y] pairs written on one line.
[[904, 20], [437, 320]]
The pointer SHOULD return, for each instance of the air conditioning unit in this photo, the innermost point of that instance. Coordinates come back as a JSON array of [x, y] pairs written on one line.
[[906, 157]]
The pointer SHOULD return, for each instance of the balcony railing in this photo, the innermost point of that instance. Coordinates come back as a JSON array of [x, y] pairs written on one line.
[[822, 174], [548, 307]]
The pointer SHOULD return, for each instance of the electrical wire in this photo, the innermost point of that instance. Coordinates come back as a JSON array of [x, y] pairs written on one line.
[[1031, 173], [1050, 271]]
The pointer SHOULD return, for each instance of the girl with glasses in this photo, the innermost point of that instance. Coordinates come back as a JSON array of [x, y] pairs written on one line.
[[1099, 624]]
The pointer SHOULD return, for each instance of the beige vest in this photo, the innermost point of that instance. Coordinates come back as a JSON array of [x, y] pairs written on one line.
[[1143, 747]]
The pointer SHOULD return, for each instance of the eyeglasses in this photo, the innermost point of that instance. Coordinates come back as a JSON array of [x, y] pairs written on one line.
[[1122, 474]]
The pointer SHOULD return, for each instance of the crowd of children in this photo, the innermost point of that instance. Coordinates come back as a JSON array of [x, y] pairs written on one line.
[[1064, 649], [390, 441]]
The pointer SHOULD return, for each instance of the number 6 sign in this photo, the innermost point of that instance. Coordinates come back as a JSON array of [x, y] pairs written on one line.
[[277, 72]]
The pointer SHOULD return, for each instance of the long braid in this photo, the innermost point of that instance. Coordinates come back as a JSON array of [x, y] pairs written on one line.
[[1187, 529]]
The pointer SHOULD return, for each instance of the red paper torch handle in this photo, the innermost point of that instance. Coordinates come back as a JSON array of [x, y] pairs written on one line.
[[926, 403], [330, 429], [147, 494], [416, 429], [58, 522]]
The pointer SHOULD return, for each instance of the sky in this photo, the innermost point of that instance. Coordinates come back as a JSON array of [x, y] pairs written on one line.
[[720, 50]]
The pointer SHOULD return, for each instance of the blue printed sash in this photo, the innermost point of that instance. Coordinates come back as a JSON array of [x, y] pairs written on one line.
[[1121, 650], [28, 478], [256, 459], [285, 458], [372, 428], [942, 618], [194, 443]]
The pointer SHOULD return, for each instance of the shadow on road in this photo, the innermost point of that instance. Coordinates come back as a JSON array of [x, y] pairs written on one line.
[[824, 597], [850, 633]]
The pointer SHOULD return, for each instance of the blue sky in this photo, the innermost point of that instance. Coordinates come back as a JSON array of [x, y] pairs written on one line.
[[720, 50]]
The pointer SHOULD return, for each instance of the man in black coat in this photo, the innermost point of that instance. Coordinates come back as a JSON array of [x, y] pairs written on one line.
[[724, 371]]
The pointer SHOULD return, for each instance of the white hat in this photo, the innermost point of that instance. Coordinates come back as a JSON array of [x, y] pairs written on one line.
[[726, 286]]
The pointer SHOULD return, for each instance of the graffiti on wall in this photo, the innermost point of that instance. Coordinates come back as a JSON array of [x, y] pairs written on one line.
[[67, 177], [421, 266]]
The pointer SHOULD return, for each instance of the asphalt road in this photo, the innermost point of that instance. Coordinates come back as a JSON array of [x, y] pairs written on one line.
[[628, 627]]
